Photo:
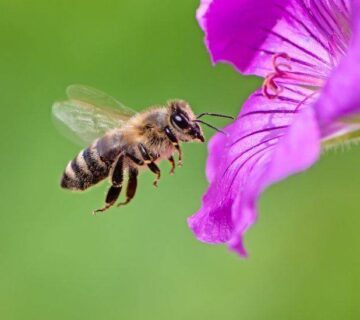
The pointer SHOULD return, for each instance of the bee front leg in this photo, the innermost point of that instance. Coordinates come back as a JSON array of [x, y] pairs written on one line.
[[151, 164], [175, 143], [115, 189]]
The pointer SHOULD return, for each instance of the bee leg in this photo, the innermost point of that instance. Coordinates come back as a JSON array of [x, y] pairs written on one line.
[[116, 181], [155, 169], [131, 186], [151, 164], [111, 196], [135, 160], [175, 143], [172, 162], [117, 175]]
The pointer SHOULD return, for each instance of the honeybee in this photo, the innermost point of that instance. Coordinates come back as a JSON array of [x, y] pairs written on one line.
[[121, 140]]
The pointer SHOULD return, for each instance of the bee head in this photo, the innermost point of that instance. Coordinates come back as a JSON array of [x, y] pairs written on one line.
[[183, 121]]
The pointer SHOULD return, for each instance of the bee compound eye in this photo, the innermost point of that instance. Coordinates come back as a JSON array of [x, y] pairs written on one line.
[[180, 121]]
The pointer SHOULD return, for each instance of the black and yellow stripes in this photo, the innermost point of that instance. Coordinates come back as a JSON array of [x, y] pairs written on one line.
[[85, 170]]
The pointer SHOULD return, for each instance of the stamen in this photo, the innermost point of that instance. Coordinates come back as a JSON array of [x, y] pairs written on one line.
[[277, 65], [282, 71]]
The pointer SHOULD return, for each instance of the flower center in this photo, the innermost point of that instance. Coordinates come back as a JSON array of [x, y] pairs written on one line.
[[283, 74]]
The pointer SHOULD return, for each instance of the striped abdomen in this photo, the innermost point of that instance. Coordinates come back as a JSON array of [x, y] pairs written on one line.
[[85, 170]]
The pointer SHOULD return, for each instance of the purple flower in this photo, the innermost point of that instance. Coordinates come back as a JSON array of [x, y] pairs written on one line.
[[308, 52]]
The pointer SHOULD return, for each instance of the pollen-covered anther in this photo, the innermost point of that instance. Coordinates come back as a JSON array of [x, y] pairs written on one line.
[[283, 71], [270, 88], [277, 64]]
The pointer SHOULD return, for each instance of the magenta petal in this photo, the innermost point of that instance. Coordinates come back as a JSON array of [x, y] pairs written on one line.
[[268, 142], [295, 152], [247, 33], [232, 31], [216, 155], [341, 95], [201, 11]]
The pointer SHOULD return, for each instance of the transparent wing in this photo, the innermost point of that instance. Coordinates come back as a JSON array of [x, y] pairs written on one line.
[[98, 99], [88, 114]]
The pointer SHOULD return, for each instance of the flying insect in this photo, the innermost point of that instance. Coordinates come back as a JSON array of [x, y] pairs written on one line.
[[121, 141]]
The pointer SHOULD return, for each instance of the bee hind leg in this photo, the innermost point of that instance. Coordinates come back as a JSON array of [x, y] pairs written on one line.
[[115, 189], [131, 186], [111, 197], [151, 164]]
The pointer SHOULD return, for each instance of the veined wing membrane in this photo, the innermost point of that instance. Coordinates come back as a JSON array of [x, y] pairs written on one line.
[[88, 114], [98, 99]]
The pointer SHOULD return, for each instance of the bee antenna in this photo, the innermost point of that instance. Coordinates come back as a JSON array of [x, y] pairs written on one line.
[[214, 115], [210, 126]]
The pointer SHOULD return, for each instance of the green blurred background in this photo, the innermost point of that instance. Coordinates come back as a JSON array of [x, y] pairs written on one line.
[[57, 261]]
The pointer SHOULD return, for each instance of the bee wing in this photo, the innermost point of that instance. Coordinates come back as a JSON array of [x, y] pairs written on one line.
[[98, 99], [88, 114]]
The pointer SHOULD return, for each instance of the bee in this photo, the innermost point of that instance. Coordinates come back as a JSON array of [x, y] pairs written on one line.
[[120, 141]]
